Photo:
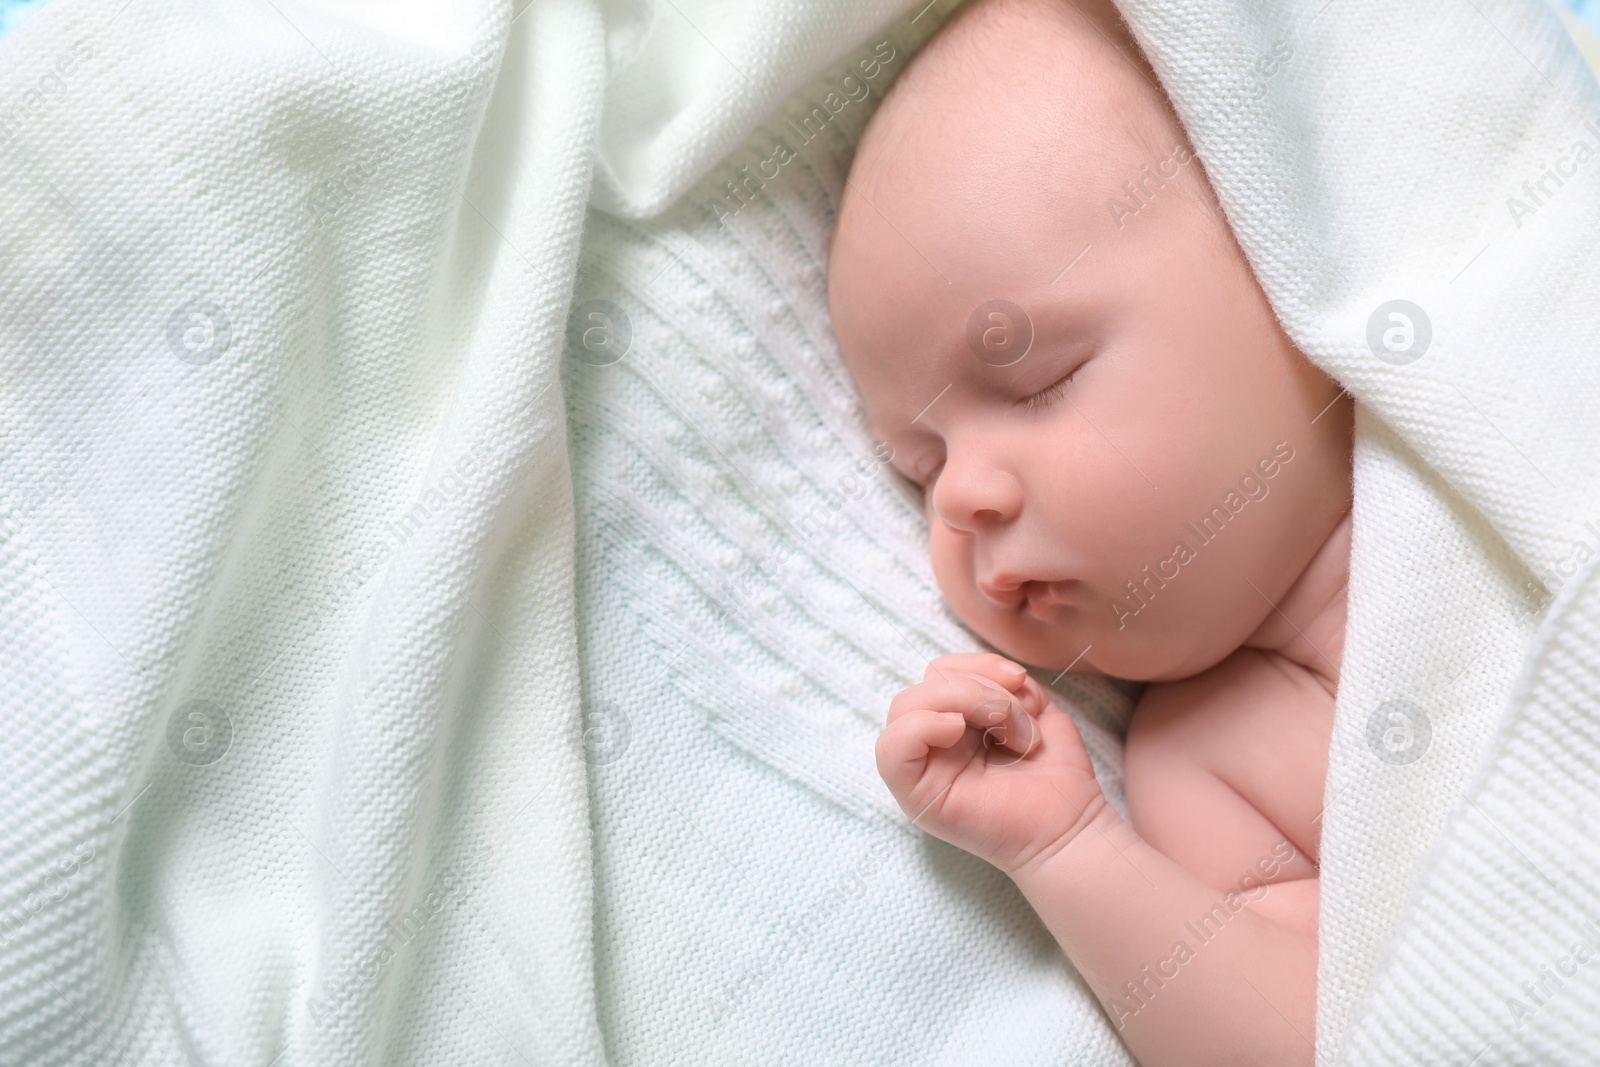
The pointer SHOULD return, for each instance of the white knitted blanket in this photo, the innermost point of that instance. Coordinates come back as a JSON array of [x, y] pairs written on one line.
[[1404, 157], [398, 669]]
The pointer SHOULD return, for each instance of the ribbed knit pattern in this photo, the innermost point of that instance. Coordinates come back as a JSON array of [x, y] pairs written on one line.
[[754, 588]]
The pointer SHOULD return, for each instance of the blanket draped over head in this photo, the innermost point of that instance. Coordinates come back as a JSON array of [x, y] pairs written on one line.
[[449, 593]]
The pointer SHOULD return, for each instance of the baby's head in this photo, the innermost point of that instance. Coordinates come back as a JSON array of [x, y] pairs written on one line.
[[1051, 323]]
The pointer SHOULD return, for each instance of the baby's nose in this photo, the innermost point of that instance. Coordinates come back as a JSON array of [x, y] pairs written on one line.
[[969, 496]]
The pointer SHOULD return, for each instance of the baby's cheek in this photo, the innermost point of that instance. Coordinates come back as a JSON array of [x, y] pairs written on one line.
[[952, 569], [942, 559]]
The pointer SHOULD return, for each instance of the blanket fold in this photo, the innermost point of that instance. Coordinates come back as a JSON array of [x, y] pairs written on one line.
[[1475, 485], [285, 463], [448, 590]]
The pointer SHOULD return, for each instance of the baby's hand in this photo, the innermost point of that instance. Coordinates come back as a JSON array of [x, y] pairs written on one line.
[[977, 755]]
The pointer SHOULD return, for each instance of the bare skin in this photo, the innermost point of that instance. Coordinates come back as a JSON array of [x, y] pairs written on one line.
[[1059, 478]]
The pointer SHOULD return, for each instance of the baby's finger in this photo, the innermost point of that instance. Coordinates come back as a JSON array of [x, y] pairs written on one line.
[[1007, 725], [903, 747], [956, 691], [1006, 718], [990, 665], [996, 713], [1061, 745], [1033, 697]]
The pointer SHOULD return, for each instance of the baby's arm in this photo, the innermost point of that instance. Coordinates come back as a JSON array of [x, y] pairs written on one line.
[[1186, 978]]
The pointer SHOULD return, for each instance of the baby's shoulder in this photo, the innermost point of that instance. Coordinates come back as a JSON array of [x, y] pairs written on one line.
[[1256, 722], [1249, 694]]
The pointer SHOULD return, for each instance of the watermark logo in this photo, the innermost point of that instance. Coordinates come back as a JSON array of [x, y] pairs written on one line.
[[1140, 991], [599, 332], [1254, 485], [199, 733], [36, 96], [198, 332], [1000, 749], [343, 982], [1399, 732], [604, 733], [52, 886], [1537, 191], [999, 333], [741, 190], [1399, 332]]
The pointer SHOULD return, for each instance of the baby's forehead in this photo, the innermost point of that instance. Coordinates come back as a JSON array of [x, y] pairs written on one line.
[[989, 41], [1014, 98], [986, 170]]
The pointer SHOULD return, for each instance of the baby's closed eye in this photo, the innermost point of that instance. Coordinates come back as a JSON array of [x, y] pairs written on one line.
[[1048, 394]]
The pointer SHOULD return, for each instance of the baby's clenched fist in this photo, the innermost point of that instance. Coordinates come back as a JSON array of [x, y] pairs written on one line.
[[978, 756]]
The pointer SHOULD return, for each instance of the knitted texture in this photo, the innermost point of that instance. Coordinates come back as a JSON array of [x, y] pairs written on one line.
[[286, 608], [1377, 165], [754, 587], [299, 766], [1472, 488]]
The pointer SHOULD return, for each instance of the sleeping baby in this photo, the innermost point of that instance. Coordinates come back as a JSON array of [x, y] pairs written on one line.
[[1127, 469]]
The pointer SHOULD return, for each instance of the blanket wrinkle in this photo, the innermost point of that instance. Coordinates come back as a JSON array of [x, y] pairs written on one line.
[[1496, 409], [391, 681], [279, 302]]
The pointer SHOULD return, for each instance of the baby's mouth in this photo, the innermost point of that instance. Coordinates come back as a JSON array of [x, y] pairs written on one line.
[[1043, 597], [1033, 597]]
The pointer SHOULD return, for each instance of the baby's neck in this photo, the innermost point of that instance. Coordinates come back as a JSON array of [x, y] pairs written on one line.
[[1316, 605]]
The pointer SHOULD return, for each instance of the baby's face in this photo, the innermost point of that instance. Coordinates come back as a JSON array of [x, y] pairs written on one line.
[[1151, 474]]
